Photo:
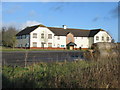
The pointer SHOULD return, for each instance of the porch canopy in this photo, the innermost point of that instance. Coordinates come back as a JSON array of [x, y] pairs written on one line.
[[71, 44]]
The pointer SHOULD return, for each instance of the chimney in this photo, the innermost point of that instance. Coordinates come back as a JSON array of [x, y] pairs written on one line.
[[64, 26]]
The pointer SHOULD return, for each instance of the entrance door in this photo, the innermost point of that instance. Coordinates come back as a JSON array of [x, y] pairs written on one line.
[[71, 47]]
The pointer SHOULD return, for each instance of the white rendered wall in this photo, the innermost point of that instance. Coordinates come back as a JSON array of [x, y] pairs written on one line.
[[104, 34], [82, 42], [39, 31], [59, 42], [91, 41]]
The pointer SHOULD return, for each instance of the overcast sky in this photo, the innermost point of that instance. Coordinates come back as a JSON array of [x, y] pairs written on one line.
[[82, 15]]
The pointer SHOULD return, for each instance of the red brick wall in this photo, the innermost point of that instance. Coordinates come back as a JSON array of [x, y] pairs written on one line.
[[70, 35]]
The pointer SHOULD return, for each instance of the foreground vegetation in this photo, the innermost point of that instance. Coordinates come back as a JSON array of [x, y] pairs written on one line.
[[77, 74]]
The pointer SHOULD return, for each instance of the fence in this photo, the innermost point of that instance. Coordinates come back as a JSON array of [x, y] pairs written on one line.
[[29, 57]]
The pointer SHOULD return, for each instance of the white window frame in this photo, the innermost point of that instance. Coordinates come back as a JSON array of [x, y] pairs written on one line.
[[34, 35], [34, 44]]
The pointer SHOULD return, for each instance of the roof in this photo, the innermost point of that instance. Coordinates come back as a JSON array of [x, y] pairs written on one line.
[[28, 30], [71, 44], [62, 31], [75, 32]]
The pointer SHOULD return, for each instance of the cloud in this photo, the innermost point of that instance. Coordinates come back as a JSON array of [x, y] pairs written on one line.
[[20, 26], [96, 19], [59, 6], [32, 13], [29, 23], [114, 12], [13, 9], [11, 24]]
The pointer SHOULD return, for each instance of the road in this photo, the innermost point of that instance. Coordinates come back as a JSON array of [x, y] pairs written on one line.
[[18, 57]]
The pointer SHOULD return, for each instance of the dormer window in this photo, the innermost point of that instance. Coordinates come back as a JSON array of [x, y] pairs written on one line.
[[97, 38]]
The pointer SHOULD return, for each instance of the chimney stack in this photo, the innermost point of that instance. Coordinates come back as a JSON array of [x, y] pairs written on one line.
[[64, 26]]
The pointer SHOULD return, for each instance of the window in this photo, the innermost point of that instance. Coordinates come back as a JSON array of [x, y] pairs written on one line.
[[23, 36], [34, 35], [102, 38], [20, 45], [58, 45], [49, 36], [42, 44], [42, 35], [18, 37], [97, 38], [34, 44], [81, 45], [62, 45], [49, 44], [107, 38], [58, 37], [70, 39], [27, 36]]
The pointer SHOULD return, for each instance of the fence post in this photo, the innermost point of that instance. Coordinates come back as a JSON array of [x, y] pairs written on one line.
[[26, 54]]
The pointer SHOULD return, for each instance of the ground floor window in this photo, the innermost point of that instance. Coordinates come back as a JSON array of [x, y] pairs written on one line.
[[62, 45], [34, 44], [49, 44], [42, 44]]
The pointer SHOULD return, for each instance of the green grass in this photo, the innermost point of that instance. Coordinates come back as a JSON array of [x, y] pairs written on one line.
[[17, 49], [77, 74]]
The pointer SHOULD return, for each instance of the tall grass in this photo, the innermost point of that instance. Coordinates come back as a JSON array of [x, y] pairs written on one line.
[[77, 74]]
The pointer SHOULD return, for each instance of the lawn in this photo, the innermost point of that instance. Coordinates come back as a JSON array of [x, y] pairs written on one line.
[[20, 49]]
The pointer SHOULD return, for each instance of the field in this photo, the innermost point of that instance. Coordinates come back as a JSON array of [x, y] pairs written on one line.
[[76, 74]]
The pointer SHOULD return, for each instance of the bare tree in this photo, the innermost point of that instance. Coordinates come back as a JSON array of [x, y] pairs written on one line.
[[8, 37]]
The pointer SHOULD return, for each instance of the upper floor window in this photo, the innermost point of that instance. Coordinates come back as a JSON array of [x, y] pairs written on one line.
[[27, 36], [18, 37], [69, 39], [42, 35], [97, 38], [34, 35], [108, 38], [58, 37], [102, 38], [49, 36], [23, 36]]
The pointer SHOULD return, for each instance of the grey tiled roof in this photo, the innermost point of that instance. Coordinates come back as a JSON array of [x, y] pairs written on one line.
[[27, 30], [62, 31], [75, 32]]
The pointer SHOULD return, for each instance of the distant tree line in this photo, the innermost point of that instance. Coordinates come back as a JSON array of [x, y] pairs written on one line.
[[8, 38]]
